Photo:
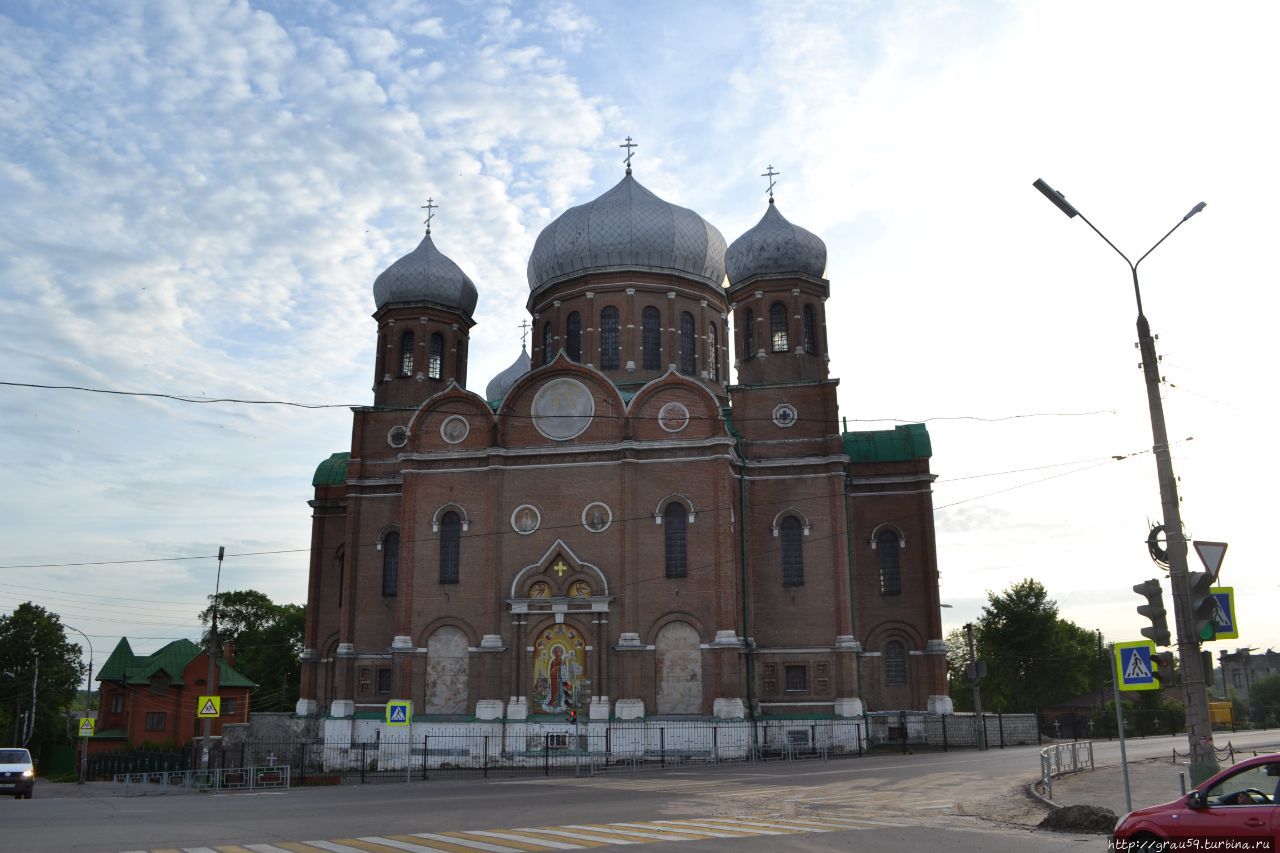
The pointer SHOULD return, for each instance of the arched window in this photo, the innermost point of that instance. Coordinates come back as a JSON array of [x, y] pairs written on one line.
[[573, 336], [435, 367], [390, 564], [890, 571], [546, 344], [651, 338], [792, 552], [675, 522], [895, 663], [381, 369], [688, 346], [713, 352], [450, 546], [749, 336], [778, 327], [406, 354], [810, 331], [609, 340]]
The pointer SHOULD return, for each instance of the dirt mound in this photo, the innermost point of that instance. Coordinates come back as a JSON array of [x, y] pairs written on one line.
[[1080, 819]]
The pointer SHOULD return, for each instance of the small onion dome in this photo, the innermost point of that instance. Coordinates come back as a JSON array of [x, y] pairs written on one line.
[[627, 228], [775, 246], [499, 385], [425, 275]]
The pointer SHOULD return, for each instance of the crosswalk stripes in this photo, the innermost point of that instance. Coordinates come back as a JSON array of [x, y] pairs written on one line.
[[578, 836]]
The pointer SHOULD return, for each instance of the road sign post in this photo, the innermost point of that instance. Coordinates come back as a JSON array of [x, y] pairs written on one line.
[[1115, 692], [1134, 665]]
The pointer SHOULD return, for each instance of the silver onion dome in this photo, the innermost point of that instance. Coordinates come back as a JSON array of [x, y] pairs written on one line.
[[627, 228], [775, 246], [426, 275], [499, 385]]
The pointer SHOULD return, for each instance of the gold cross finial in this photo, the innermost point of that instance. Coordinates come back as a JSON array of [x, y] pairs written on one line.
[[770, 174], [628, 145], [524, 330], [429, 207], [560, 568]]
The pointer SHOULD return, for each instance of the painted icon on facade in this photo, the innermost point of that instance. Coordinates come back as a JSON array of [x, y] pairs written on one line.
[[559, 667]]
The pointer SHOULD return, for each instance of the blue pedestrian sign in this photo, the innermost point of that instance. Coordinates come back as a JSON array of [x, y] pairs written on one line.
[[1224, 615], [399, 712], [1134, 670]]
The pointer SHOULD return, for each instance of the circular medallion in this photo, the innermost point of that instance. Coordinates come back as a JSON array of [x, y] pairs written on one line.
[[597, 517], [784, 415], [454, 429], [541, 589], [525, 519], [398, 436], [562, 409], [580, 589], [673, 417]]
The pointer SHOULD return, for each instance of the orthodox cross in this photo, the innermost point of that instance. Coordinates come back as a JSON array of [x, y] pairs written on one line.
[[628, 145], [524, 330], [430, 207], [770, 174], [560, 568]]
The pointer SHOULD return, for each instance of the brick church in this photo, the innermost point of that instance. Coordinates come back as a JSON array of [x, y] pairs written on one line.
[[653, 512]]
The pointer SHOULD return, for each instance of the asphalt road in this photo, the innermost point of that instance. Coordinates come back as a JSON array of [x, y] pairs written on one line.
[[886, 802]]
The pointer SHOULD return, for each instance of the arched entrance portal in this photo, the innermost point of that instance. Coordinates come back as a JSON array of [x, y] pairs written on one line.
[[679, 675]]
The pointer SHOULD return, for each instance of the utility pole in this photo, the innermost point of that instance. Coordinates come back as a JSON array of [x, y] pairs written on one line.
[[977, 689], [211, 684], [30, 727]]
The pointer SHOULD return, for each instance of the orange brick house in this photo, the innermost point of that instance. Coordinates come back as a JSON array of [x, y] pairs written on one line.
[[152, 698]]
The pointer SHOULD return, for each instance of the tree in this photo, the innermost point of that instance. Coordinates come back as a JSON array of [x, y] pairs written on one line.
[[267, 642], [1034, 658], [1264, 701], [959, 686], [35, 654]]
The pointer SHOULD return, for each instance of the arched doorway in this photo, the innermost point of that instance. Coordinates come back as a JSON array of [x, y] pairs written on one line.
[[679, 675], [446, 688]]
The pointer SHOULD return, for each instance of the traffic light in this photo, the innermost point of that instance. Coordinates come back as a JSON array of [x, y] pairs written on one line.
[[1203, 606], [1154, 610], [1206, 666], [1162, 668], [573, 715]]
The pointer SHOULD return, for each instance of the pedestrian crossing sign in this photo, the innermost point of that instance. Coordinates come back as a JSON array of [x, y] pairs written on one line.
[[86, 726], [1224, 615], [399, 712], [209, 707], [1134, 670]]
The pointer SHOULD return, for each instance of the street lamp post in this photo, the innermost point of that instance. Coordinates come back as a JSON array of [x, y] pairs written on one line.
[[88, 705], [1199, 729]]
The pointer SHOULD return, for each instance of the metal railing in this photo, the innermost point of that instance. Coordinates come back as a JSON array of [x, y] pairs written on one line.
[[195, 781], [1063, 758]]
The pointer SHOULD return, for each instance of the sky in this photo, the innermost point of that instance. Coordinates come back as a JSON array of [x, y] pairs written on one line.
[[195, 200]]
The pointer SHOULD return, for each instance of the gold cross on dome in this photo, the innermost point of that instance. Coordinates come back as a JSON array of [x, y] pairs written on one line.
[[429, 207], [770, 174], [560, 568], [524, 330], [628, 145]]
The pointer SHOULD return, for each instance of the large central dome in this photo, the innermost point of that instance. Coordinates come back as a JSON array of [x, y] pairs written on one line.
[[627, 228]]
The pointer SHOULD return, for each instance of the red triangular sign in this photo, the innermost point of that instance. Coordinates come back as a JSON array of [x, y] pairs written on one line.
[[1211, 554]]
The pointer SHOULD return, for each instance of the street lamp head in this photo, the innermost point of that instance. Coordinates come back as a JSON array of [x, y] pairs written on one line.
[[1199, 207], [1058, 198]]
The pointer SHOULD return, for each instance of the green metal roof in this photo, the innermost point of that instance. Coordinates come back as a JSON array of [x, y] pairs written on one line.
[[332, 471], [170, 660], [900, 444]]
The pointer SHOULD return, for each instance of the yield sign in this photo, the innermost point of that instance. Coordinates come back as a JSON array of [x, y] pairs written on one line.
[[1211, 554]]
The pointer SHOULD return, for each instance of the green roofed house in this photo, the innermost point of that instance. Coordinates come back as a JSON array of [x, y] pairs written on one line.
[[155, 697]]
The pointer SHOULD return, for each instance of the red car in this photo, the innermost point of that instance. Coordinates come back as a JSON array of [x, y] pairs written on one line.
[[1240, 804]]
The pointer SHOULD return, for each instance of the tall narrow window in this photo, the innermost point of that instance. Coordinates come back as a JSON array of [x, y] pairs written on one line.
[[810, 331], [381, 369], [573, 336], [546, 344], [887, 545], [688, 346], [792, 552], [675, 521], [390, 564], [340, 562], [406, 354], [895, 663], [651, 337], [435, 367], [749, 335], [609, 340], [450, 546], [778, 327], [713, 352]]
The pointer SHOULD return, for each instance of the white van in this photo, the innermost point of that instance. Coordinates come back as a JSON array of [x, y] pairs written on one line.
[[17, 773]]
